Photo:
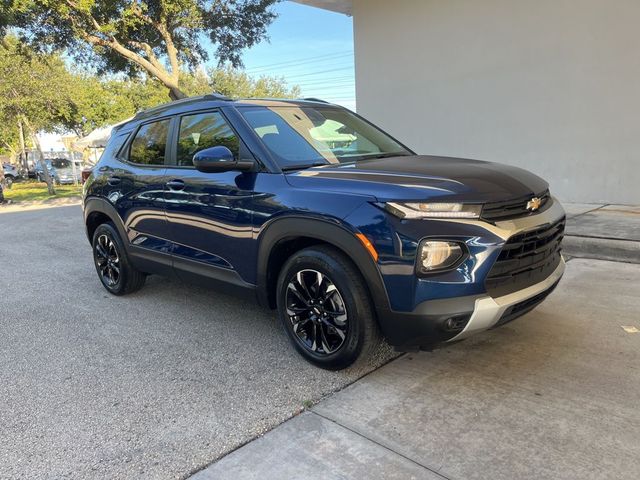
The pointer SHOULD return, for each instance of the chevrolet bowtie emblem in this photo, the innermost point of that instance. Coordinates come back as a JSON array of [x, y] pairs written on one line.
[[534, 204]]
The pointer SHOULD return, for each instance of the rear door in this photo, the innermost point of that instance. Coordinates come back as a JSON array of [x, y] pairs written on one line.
[[209, 214], [135, 185]]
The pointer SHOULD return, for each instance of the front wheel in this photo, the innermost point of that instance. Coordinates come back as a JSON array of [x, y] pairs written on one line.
[[325, 308], [115, 271]]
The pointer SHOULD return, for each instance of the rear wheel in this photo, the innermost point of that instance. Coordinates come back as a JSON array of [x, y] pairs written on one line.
[[114, 269], [325, 308]]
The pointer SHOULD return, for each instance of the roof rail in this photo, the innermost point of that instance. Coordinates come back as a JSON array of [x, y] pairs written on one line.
[[208, 96], [216, 96], [313, 99]]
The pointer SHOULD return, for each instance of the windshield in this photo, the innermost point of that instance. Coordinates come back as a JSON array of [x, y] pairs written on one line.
[[59, 163], [300, 136]]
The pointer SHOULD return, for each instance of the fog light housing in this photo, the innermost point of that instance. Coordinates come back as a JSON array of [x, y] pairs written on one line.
[[456, 324], [439, 255]]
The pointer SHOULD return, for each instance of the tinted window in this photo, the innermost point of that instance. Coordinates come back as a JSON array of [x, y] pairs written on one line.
[[149, 145], [114, 144], [201, 131]]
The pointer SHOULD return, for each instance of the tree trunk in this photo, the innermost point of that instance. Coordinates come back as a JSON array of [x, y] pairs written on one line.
[[23, 148], [175, 93], [43, 164]]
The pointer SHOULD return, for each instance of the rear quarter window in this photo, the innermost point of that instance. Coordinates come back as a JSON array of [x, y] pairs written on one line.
[[114, 145], [149, 145]]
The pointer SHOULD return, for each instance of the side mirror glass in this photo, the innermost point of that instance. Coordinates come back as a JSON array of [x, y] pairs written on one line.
[[219, 159]]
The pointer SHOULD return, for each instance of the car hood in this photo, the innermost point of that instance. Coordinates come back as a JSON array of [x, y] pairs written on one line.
[[420, 177]]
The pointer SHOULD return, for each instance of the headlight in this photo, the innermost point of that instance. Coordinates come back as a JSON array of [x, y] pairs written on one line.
[[433, 210], [434, 255]]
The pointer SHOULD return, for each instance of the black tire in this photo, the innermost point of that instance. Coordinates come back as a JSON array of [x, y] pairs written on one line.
[[345, 338], [114, 269]]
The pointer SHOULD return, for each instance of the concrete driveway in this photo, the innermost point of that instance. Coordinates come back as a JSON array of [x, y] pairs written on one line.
[[553, 395], [154, 385]]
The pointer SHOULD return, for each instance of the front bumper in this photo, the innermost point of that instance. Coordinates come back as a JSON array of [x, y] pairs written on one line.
[[488, 312], [455, 305]]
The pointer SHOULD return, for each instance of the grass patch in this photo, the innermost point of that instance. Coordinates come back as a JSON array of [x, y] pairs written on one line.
[[29, 191]]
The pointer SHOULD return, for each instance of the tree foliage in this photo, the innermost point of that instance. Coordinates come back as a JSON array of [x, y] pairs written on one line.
[[38, 87], [159, 37], [236, 83], [35, 90]]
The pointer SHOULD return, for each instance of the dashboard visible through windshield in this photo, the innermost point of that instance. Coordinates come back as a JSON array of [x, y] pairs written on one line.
[[302, 136]]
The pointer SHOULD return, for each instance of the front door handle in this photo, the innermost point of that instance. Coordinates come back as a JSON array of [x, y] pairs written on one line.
[[175, 185], [114, 180]]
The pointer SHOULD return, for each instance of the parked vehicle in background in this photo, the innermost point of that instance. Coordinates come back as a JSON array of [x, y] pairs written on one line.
[[10, 173], [63, 171], [320, 214]]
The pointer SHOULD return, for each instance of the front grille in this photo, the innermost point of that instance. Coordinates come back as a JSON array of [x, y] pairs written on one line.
[[526, 259], [497, 211]]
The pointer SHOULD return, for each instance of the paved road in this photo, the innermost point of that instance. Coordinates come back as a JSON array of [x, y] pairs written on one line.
[[552, 396], [154, 385]]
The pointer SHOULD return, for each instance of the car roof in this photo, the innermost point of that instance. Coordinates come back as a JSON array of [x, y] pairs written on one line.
[[215, 100]]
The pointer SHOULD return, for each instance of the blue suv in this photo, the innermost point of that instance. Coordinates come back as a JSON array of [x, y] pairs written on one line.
[[317, 213]]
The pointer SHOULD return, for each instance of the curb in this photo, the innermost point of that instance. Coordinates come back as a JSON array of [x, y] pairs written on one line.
[[39, 204], [601, 248]]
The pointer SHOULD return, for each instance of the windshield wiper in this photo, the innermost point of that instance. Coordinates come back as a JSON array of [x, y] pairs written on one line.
[[303, 166], [372, 156], [387, 155]]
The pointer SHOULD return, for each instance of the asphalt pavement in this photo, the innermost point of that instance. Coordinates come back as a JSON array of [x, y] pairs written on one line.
[[157, 384]]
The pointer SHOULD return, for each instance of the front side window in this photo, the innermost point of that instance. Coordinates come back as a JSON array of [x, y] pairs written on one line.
[[204, 130], [150, 144], [305, 135]]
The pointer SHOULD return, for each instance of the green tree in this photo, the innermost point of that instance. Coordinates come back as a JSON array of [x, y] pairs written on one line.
[[97, 102], [159, 37], [35, 90], [236, 83]]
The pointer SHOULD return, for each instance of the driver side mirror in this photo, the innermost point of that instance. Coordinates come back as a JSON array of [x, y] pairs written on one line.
[[219, 159]]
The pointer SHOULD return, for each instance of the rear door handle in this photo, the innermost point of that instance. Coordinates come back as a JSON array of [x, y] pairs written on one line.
[[175, 185], [114, 180]]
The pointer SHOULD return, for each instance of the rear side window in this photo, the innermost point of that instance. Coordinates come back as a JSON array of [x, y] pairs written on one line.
[[114, 144], [150, 143], [204, 130]]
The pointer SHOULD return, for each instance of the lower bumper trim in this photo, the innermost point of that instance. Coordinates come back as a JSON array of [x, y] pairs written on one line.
[[488, 311]]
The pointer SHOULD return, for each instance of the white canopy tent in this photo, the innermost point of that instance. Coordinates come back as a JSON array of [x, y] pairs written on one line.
[[97, 138]]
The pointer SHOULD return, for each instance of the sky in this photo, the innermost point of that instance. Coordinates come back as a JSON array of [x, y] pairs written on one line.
[[309, 47]]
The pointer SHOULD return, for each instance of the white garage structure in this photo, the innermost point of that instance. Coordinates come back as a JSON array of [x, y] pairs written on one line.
[[549, 85]]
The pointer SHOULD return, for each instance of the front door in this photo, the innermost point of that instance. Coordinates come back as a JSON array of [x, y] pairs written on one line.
[[209, 214]]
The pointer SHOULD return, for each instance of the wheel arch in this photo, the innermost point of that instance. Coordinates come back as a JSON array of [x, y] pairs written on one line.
[[283, 237], [98, 211]]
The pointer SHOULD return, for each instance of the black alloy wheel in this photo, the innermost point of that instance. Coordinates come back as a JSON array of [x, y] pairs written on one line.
[[325, 308], [114, 269], [317, 312], [107, 261]]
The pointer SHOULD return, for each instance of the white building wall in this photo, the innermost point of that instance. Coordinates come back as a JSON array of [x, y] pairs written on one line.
[[549, 85]]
